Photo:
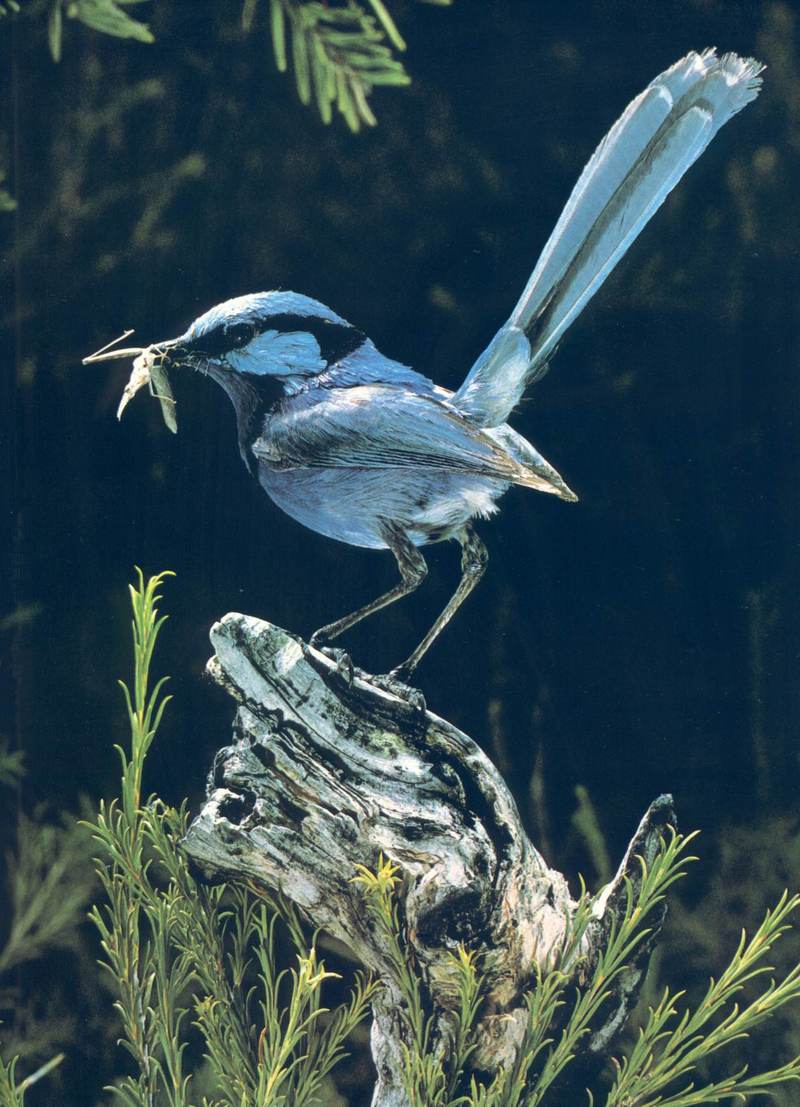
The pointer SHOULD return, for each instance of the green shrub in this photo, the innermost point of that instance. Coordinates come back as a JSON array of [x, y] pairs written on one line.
[[195, 963]]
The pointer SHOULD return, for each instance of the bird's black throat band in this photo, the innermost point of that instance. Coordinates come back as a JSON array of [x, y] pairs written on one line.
[[253, 398]]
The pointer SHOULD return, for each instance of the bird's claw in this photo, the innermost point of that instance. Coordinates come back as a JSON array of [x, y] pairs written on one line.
[[340, 657], [395, 683]]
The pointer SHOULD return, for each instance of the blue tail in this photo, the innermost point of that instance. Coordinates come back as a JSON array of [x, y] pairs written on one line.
[[633, 170]]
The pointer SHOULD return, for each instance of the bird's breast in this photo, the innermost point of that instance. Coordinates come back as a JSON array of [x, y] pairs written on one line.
[[351, 505]]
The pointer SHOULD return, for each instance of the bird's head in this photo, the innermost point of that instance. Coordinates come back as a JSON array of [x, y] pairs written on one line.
[[280, 335], [258, 347]]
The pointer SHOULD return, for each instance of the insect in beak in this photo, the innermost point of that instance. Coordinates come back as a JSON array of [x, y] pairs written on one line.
[[148, 369]]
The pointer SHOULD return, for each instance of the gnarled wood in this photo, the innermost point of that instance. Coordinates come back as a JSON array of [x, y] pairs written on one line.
[[326, 773]]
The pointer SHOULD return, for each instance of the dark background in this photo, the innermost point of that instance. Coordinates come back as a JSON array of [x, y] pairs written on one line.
[[643, 640]]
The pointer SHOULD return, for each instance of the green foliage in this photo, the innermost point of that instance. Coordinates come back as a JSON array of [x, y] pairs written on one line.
[[585, 821], [669, 1048], [7, 201], [433, 1077], [49, 881], [340, 50], [339, 53], [12, 1091], [11, 765], [752, 862], [183, 955], [106, 16], [145, 707]]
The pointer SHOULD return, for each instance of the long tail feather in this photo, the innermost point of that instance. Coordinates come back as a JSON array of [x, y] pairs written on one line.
[[641, 159]]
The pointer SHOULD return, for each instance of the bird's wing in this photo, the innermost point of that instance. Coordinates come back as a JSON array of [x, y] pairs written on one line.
[[380, 426], [641, 159]]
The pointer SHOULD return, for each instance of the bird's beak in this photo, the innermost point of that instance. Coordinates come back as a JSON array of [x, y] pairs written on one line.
[[172, 350]]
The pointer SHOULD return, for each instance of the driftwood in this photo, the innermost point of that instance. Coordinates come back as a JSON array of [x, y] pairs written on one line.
[[326, 772]]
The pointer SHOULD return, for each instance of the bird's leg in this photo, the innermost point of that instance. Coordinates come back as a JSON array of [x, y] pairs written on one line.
[[474, 558], [413, 571]]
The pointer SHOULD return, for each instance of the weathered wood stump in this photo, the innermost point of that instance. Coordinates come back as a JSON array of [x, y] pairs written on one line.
[[325, 773]]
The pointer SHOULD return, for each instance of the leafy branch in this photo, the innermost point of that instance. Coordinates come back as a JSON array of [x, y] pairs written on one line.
[[52, 881], [180, 953], [669, 1048], [48, 882], [340, 50], [339, 53], [12, 1091], [106, 16]]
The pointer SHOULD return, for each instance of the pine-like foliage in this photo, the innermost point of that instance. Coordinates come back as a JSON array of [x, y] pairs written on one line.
[[12, 1090], [181, 953], [340, 50], [673, 1045], [48, 882], [107, 16]]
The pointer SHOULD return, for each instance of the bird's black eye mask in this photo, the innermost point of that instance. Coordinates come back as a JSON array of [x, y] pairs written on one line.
[[335, 340]]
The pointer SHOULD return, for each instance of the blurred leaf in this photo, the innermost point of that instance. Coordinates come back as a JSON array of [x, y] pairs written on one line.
[[106, 16], [7, 201], [585, 821], [50, 881], [54, 29], [388, 24], [24, 613], [248, 13], [278, 27], [11, 767]]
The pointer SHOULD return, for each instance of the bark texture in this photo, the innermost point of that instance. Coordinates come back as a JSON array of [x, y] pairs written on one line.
[[325, 773]]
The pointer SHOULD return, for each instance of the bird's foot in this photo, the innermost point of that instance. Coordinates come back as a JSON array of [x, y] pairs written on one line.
[[340, 657], [395, 683]]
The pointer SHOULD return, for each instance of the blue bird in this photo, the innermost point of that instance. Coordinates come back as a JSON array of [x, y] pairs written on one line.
[[365, 450]]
